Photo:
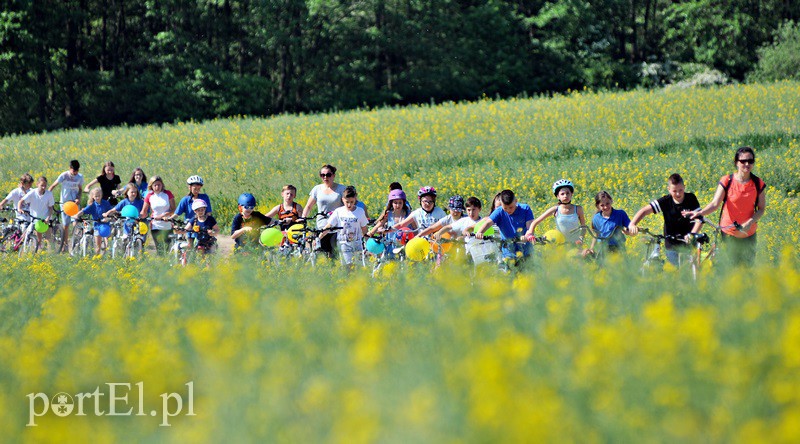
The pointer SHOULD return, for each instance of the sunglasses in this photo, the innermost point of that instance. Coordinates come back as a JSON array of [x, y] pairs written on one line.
[[748, 161], [325, 174], [248, 207], [427, 201]]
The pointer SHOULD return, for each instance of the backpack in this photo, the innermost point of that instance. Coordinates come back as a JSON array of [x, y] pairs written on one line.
[[759, 189]]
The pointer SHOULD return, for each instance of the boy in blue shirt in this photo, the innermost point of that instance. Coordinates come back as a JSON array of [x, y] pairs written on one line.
[[513, 219], [609, 223]]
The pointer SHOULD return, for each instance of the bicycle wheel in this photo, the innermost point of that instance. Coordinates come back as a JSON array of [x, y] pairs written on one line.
[[58, 238], [118, 244], [7, 240], [75, 240], [135, 248], [30, 245], [85, 245]]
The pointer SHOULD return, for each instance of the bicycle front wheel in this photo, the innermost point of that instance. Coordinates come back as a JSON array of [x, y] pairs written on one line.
[[135, 248]]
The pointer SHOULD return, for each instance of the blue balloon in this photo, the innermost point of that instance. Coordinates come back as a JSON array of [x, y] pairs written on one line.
[[103, 230], [374, 247], [129, 211]]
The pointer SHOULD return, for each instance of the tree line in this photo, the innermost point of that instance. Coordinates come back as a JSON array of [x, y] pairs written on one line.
[[86, 63]]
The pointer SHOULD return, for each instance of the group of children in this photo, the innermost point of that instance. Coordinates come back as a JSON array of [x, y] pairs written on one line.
[[513, 220]]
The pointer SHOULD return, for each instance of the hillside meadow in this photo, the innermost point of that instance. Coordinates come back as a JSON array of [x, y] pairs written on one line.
[[564, 351]]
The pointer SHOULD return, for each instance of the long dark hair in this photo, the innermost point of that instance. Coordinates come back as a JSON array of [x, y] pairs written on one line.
[[133, 175]]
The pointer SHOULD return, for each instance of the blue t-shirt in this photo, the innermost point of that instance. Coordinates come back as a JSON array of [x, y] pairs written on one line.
[[96, 210], [185, 206], [613, 225], [138, 203], [512, 225], [142, 189], [206, 224]]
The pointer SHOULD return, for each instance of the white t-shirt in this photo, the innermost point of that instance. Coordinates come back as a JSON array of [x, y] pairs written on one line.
[[71, 186], [159, 205], [462, 224], [39, 204], [14, 197], [351, 221], [425, 220]]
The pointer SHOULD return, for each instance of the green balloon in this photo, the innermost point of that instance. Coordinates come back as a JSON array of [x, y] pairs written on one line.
[[489, 232], [40, 226], [271, 237]]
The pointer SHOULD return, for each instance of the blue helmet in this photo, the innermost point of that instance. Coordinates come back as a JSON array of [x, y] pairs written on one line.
[[247, 200]]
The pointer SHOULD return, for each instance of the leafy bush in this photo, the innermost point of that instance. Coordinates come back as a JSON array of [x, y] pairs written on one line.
[[780, 59]]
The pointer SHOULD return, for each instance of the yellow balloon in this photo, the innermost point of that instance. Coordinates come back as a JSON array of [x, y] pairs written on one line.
[[294, 233], [143, 228], [555, 237], [417, 249]]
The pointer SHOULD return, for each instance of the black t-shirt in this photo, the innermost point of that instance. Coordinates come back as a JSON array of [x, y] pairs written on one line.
[[256, 220], [109, 185], [674, 223]]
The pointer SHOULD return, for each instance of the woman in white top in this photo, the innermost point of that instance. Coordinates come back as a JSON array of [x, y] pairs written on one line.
[[162, 203], [328, 197]]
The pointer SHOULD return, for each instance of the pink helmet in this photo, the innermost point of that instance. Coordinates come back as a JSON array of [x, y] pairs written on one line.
[[397, 194]]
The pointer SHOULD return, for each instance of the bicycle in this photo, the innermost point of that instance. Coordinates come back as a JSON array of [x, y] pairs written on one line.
[[601, 245], [507, 254], [12, 235], [30, 241], [708, 247], [132, 243], [83, 237], [178, 243], [652, 252]]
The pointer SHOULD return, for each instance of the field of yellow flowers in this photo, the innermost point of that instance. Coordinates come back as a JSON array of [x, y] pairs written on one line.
[[243, 350]]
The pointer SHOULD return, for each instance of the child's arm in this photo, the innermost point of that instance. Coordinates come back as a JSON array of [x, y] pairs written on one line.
[[532, 229], [430, 229], [582, 220], [409, 221], [644, 211], [53, 185], [273, 211], [214, 230], [88, 186], [145, 209], [485, 224]]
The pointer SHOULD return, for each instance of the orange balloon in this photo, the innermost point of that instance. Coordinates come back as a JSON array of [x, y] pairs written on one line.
[[70, 208], [446, 246]]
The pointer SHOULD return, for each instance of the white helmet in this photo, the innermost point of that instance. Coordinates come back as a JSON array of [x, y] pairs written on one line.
[[561, 183], [194, 180], [199, 203]]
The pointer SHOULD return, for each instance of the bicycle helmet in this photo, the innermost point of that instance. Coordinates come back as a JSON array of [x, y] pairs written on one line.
[[397, 194], [192, 180], [456, 203], [247, 200], [426, 191], [199, 203], [561, 183]]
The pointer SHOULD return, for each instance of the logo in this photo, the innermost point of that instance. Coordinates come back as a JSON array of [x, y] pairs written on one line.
[[62, 404], [111, 400]]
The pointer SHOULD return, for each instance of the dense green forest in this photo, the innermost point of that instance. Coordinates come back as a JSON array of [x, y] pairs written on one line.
[[71, 63]]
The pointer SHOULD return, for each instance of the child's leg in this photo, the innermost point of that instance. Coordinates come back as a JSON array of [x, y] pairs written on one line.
[[98, 244]]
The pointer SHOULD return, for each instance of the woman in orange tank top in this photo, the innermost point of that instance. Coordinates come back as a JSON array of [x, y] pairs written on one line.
[[743, 201]]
